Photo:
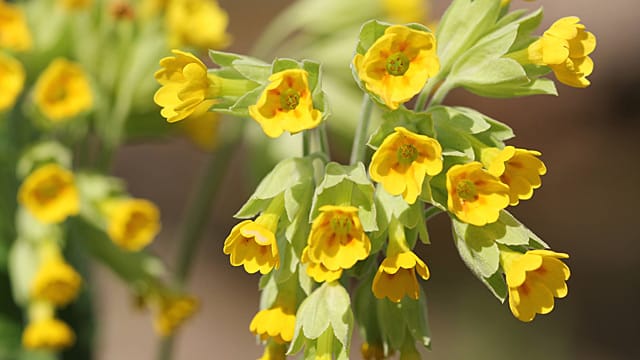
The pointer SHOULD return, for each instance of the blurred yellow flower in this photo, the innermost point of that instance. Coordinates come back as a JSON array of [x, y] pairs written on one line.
[[76, 4], [475, 196], [286, 104], [317, 271], [396, 276], [56, 282], [519, 169], [197, 23], [14, 32], [253, 245], [397, 66], [12, 78], [402, 161], [565, 47], [132, 223], [47, 334], [173, 312], [405, 11], [274, 351], [534, 279], [277, 323], [49, 194], [202, 129], [62, 91]]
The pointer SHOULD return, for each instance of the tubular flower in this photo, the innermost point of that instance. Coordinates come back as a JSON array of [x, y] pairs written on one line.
[[519, 169], [48, 334], [405, 11], [253, 245], [475, 196], [197, 23], [132, 223], [396, 277], [286, 104], [62, 91], [173, 312], [372, 351], [277, 323], [402, 161], [534, 279], [49, 194], [56, 282], [14, 33], [565, 47], [398, 64], [317, 271], [337, 240], [12, 78]]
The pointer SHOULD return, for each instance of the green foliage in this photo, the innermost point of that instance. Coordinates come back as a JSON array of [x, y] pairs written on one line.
[[401, 320], [420, 123]]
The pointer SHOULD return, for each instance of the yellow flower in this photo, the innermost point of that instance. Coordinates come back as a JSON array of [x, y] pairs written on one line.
[[277, 323], [519, 169], [475, 196], [56, 282], [186, 86], [202, 129], [173, 312], [76, 4], [274, 351], [398, 64], [197, 23], [253, 245], [396, 276], [132, 223], [372, 351], [565, 47], [47, 334], [286, 104], [14, 33], [12, 78], [62, 90], [534, 279], [317, 271], [405, 11], [402, 161], [49, 194]]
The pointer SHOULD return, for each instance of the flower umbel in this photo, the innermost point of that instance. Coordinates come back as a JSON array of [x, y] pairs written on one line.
[[397, 66], [277, 323], [47, 334], [14, 33], [132, 223], [12, 78], [402, 161], [56, 282], [49, 194]]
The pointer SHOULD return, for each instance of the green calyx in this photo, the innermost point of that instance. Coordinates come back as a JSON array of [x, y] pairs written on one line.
[[397, 64], [466, 190], [289, 99]]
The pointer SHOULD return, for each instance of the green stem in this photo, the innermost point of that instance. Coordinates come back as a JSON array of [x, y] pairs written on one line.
[[424, 94], [324, 140], [439, 95], [359, 147], [306, 142]]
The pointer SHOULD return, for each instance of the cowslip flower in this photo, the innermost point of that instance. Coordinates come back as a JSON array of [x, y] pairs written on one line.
[[14, 32], [62, 91], [197, 23], [565, 47], [50, 194], [252, 244], [519, 169], [12, 78], [286, 104], [132, 223], [173, 312], [56, 282], [402, 161], [534, 279], [398, 64], [405, 11], [276, 323], [47, 334], [396, 276], [317, 271], [474, 195]]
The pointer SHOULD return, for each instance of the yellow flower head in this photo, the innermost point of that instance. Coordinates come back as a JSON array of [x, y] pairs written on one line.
[[202, 129], [534, 279], [565, 47], [402, 161], [372, 351], [274, 351], [14, 33], [286, 104], [132, 223], [49, 194], [47, 334], [475, 196], [277, 323], [317, 271], [76, 4], [186, 86], [12, 78], [405, 11], [519, 169], [337, 239], [197, 23], [398, 64], [396, 276], [56, 282], [62, 91], [253, 245], [173, 312]]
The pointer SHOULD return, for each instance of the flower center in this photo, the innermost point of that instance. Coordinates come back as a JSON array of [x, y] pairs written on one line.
[[407, 154], [341, 224], [397, 64], [289, 99], [466, 190]]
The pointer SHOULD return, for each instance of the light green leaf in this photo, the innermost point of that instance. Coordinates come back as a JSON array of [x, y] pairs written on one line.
[[23, 265], [40, 153], [477, 248], [258, 72], [223, 58], [314, 70], [282, 64], [497, 134], [268, 290], [392, 325], [497, 285], [420, 123], [415, 316], [538, 86], [508, 231]]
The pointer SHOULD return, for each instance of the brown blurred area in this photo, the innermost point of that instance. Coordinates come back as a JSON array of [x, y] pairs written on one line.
[[589, 140]]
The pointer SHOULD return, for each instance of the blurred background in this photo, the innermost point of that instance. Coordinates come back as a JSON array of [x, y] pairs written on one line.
[[589, 141]]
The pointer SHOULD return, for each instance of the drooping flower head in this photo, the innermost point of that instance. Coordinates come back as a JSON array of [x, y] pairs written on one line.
[[286, 104], [398, 64], [14, 32], [12, 78], [253, 245], [56, 282], [173, 312], [197, 23], [132, 223], [49, 194], [534, 279], [474, 195], [317, 271], [519, 169], [402, 161], [276, 323], [62, 91], [396, 276], [565, 47], [47, 334]]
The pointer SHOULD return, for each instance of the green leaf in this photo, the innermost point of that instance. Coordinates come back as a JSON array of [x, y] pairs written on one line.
[[23, 265], [420, 123], [454, 129], [314, 71], [539, 86], [392, 325], [282, 64], [256, 71], [509, 231], [477, 248], [497, 134], [40, 153], [497, 285], [415, 316], [369, 33]]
